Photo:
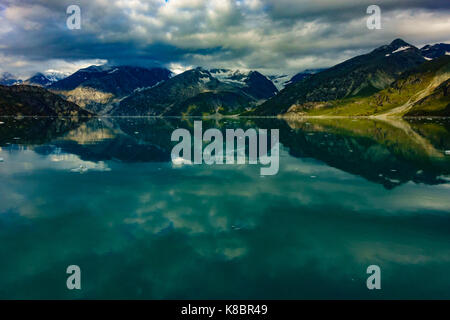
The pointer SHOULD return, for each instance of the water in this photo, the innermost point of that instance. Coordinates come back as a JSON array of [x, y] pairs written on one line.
[[103, 194]]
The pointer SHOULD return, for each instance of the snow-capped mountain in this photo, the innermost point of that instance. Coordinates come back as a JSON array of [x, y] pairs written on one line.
[[45, 79], [38, 79], [7, 79], [435, 51]]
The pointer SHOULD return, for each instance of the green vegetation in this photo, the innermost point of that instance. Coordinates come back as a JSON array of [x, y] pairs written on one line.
[[422, 91], [436, 104]]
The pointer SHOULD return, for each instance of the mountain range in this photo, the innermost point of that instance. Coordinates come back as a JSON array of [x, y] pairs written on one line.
[[39, 79], [395, 79]]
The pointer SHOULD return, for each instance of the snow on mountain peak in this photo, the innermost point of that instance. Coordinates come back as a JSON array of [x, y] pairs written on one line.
[[230, 76], [401, 49]]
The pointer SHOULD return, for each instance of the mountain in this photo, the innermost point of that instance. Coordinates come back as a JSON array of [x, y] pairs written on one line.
[[360, 76], [96, 88], [199, 92], [435, 51], [7, 79], [420, 91], [45, 79], [258, 86], [23, 100], [38, 79]]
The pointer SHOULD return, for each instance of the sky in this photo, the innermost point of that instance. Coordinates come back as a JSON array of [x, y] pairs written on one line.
[[271, 36]]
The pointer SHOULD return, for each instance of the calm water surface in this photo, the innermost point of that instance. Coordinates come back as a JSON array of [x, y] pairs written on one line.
[[104, 195]]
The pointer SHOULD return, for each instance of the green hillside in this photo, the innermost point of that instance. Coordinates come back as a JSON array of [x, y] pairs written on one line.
[[436, 104], [420, 91]]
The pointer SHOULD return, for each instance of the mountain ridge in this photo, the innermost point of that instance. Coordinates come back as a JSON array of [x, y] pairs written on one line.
[[359, 76]]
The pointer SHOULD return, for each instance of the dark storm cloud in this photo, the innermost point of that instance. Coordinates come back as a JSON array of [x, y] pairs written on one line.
[[271, 35], [343, 10]]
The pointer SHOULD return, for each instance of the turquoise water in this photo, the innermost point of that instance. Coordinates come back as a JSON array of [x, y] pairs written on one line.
[[103, 194]]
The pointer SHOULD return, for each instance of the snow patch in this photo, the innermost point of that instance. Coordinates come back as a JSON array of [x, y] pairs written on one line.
[[280, 81], [145, 88], [204, 80], [230, 76], [401, 49], [55, 75]]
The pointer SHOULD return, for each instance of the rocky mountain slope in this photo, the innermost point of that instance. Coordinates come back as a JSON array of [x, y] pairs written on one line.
[[23, 100], [96, 88]]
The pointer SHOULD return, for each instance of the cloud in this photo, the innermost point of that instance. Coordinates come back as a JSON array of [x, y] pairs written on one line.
[[282, 36]]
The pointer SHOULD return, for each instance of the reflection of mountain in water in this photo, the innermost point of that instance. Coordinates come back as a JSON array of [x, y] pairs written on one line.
[[132, 139], [389, 153], [386, 152], [32, 131], [120, 140]]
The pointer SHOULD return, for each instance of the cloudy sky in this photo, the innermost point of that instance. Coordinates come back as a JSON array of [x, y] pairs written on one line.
[[273, 36]]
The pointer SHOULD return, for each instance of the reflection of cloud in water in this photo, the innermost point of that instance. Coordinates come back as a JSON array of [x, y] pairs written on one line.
[[28, 160]]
